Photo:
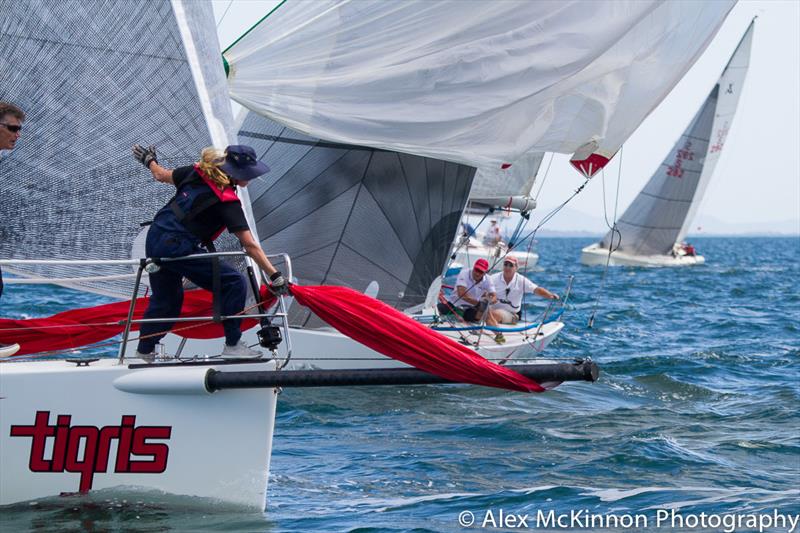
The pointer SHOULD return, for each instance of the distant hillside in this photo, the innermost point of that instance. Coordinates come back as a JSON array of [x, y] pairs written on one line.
[[572, 223], [709, 226]]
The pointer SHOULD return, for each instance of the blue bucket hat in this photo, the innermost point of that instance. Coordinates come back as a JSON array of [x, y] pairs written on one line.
[[241, 163]]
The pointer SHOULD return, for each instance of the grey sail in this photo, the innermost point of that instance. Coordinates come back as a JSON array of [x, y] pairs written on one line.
[[660, 216], [354, 216], [95, 77]]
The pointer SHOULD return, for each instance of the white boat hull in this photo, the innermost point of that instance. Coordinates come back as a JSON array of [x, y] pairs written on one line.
[[595, 255], [68, 429], [330, 350]]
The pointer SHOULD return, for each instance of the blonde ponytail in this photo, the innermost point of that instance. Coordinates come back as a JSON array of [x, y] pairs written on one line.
[[210, 160]]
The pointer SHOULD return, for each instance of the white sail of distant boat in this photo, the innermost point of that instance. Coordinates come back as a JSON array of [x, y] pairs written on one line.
[[95, 77], [652, 229]]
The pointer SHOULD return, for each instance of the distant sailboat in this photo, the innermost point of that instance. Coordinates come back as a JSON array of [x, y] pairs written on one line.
[[652, 229], [504, 188]]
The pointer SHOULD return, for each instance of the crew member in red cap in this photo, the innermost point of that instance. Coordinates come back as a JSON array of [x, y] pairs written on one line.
[[204, 205], [474, 291], [511, 287]]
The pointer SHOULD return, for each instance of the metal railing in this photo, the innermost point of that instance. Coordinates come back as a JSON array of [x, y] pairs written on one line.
[[142, 266]]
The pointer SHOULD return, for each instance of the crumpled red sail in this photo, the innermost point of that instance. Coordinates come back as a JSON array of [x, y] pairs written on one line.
[[396, 335], [78, 327], [360, 317]]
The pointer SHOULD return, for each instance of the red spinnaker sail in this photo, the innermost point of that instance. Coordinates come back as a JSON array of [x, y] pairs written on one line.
[[80, 327], [364, 319], [390, 332]]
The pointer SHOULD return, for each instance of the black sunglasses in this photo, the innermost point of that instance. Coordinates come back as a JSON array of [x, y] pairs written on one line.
[[12, 129], [508, 264]]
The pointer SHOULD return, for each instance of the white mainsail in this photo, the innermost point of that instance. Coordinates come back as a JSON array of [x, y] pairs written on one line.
[[660, 216], [481, 83]]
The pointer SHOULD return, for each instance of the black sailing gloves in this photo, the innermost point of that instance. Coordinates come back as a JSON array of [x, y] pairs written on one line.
[[279, 285], [145, 156]]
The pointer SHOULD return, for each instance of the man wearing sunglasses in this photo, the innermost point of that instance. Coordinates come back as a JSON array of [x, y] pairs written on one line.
[[511, 287], [11, 119]]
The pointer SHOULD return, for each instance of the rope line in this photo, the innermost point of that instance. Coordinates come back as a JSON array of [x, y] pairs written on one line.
[[614, 231]]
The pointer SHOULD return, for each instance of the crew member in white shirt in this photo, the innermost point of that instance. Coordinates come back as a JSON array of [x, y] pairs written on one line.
[[474, 292], [492, 237], [511, 287]]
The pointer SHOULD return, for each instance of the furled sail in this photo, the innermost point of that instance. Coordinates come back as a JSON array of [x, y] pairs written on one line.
[[480, 83], [354, 216], [94, 77], [661, 214]]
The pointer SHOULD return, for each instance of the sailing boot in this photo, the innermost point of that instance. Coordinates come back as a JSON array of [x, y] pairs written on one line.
[[7, 350], [146, 357], [240, 351]]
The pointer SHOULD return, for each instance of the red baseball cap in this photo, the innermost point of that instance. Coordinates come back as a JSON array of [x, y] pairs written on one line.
[[481, 265]]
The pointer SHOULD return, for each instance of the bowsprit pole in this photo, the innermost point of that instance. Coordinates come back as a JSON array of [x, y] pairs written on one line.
[[585, 370]]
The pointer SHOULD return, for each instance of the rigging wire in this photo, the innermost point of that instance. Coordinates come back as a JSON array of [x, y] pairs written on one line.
[[225, 13], [544, 220], [614, 232]]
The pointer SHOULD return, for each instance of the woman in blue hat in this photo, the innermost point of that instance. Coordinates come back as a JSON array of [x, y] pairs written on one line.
[[204, 205]]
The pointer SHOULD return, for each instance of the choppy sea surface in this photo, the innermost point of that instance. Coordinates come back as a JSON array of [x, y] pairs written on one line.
[[697, 411]]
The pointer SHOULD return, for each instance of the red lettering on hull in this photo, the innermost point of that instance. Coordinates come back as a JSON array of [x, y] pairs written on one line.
[[135, 454]]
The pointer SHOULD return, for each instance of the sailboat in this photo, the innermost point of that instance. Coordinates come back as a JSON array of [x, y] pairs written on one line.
[[375, 220], [391, 236], [652, 229], [506, 190], [97, 76]]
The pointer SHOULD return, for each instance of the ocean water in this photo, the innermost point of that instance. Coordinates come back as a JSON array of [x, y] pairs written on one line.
[[697, 411]]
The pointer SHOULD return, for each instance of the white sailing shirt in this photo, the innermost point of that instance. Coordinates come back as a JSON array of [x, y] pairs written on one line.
[[475, 289], [509, 295]]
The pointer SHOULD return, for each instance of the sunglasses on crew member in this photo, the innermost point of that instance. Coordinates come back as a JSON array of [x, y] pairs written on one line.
[[11, 128], [508, 264]]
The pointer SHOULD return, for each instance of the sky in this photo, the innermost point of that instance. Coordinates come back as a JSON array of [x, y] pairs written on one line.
[[756, 185]]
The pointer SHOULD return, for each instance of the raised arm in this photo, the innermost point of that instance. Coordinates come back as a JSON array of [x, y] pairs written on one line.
[[147, 157]]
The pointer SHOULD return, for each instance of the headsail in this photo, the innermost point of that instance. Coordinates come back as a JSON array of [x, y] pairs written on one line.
[[507, 187], [661, 214], [95, 77], [354, 216], [481, 84]]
